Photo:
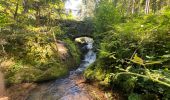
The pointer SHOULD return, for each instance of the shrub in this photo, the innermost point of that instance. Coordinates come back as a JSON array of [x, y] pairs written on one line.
[[147, 36], [105, 16]]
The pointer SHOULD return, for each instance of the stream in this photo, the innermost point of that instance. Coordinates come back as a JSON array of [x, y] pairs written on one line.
[[69, 88]]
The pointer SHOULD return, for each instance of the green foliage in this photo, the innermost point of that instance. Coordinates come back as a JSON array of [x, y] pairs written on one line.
[[31, 30], [105, 16], [134, 97], [145, 35], [73, 50], [3, 20], [38, 49], [36, 58]]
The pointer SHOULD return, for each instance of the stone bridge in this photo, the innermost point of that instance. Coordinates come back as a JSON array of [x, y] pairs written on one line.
[[76, 29]]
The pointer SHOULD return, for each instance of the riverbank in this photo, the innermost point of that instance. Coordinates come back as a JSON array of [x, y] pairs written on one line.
[[72, 87], [30, 91]]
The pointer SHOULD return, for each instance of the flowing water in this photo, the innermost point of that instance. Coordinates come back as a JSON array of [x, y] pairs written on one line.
[[69, 88]]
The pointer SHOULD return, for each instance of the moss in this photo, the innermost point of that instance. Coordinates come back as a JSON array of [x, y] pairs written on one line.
[[56, 71], [73, 50], [40, 61], [24, 73], [33, 74], [95, 72]]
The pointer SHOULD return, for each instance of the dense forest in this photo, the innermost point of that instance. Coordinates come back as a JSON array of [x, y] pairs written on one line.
[[131, 41]]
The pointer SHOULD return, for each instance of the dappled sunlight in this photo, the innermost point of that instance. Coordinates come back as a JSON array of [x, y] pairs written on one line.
[[85, 49]]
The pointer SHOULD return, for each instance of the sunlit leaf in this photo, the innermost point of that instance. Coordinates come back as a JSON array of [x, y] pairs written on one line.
[[137, 60], [153, 62]]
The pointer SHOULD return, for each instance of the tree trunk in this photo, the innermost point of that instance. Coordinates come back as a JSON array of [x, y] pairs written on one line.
[[133, 6], [25, 6], [16, 10], [37, 15], [139, 7], [147, 7], [129, 7], [154, 6], [160, 4], [115, 2], [124, 7]]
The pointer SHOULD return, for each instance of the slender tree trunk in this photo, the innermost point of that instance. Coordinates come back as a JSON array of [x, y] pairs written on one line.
[[115, 2], [139, 7], [160, 4], [147, 7], [154, 6], [133, 6], [25, 6], [38, 16], [129, 7], [123, 8], [16, 10]]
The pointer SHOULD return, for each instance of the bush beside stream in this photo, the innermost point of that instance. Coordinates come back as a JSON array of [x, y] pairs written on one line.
[[133, 53]]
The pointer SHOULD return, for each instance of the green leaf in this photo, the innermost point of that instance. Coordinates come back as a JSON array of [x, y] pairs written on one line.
[[137, 60], [153, 62], [166, 56], [112, 56]]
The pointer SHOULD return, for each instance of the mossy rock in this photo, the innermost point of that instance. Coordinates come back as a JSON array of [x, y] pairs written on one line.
[[30, 69], [53, 73]]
